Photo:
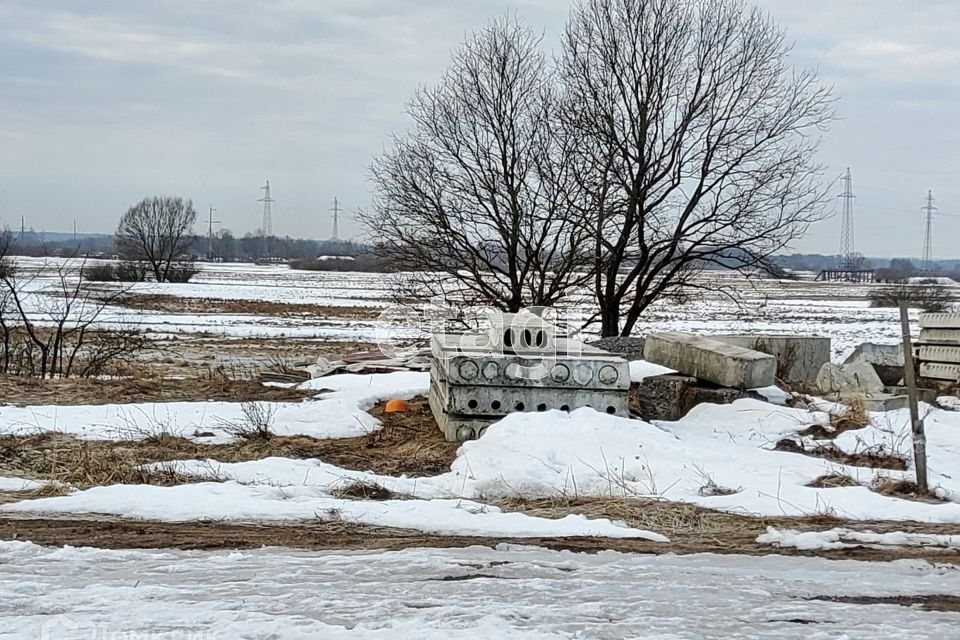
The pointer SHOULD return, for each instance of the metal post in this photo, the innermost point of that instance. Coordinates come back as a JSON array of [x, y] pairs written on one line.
[[910, 376]]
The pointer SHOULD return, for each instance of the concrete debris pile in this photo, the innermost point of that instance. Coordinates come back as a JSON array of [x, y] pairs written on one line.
[[366, 362], [722, 369], [938, 350], [519, 364], [886, 360]]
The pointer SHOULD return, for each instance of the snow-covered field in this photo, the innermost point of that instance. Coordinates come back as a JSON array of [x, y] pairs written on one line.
[[473, 593], [720, 457], [838, 310]]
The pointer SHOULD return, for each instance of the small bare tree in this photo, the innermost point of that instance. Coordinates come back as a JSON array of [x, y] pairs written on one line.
[[158, 231], [696, 144], [472, 204], [48, 322]]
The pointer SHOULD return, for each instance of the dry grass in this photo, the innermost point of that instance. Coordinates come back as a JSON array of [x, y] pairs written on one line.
[[409, 444], [363, 490], [62, 461], [215, 386], [872, 459], [855, 417], [905, 489], [175, 304], [832, 481]]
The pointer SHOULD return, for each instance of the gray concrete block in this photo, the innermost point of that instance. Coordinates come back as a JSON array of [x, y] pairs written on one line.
[[799, 358], [940, 371], [940, 353], [879, 402], [496, 402], [670, 397], [858, 377], [886, 360], [940, 320], [723, 364], [940, 336]]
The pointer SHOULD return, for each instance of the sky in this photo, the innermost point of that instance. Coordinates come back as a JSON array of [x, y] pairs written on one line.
[[104, 102]]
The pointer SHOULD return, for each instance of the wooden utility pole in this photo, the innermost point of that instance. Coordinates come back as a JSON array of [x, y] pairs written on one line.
[[910, 376]]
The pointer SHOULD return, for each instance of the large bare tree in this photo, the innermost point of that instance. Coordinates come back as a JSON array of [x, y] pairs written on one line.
[[697, 143], [473, 203], [157, 231]]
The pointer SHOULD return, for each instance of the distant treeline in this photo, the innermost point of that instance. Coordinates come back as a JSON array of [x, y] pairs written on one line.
[[223, 247]]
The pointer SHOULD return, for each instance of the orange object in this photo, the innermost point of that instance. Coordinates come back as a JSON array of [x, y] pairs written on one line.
[[397, 406]]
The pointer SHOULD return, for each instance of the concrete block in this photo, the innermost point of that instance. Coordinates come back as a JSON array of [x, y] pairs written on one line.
[[799, 358], [723, 364], [879, 402], [858, 377], [456, 428], [940, 353], [940, 336], [940, 320], [593, 369], [496, 402], [886, 360], [940, 371], [670, 397]]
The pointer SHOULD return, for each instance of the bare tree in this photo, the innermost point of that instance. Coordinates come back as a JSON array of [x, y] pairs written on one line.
[[48, 321], [158, 231], [697, 144], [472, 204]]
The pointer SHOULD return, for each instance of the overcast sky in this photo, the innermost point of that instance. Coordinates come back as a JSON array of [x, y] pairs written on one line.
[[105, 102]]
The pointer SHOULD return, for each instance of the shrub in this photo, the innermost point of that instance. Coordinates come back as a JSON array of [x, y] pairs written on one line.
[[182, 272], [929, 297], [100, 273]]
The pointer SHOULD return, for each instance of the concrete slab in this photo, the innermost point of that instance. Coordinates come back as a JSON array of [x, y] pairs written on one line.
[[886, 360], [940, 320], [940, 336], [858, 377], [799, 358], [940, 371], [723, 364], [670, 397], [879, 402], [940, 353]]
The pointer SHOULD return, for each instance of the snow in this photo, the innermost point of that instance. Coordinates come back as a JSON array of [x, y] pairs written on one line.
[[890, 433], [641, 369], [339, 414], [845, 538], [18, 484], [509, 592], [231, 501]]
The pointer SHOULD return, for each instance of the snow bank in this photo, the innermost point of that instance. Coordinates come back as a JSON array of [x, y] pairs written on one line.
[[232, 501], [845, 538], [340, 414]]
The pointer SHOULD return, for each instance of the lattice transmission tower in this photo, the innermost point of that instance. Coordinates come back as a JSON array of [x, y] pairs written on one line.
[[929, 210], [848, 256], [267, 228]]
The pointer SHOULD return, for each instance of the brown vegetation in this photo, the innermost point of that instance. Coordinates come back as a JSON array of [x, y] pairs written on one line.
[[176, 304]]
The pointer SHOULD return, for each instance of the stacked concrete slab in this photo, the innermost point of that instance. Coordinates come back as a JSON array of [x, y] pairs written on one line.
[[938, 350], [519, 365], [720, 363], [799, 358]]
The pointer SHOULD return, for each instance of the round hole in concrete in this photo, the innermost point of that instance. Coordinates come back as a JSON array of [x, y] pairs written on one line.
[[495, 405], [473, 404], [520, 406], [527, 338], [565, 407], [611, 410], [541, 407]]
